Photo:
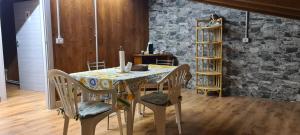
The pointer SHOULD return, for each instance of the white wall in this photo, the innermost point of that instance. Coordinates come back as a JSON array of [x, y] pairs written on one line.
[[31, 50], [2, 77]]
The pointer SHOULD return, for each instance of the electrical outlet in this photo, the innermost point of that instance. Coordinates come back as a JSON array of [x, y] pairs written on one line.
[[245, 40], [27, 14], [59, 40]]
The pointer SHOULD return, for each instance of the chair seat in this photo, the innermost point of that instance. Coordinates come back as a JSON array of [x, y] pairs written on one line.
[[90, 109], [156, 98]]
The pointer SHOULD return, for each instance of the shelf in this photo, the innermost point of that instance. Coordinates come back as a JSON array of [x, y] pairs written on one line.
[[216, 43], [210, 88], [208, 28], [209, 58], [209, 64], [209, 73]]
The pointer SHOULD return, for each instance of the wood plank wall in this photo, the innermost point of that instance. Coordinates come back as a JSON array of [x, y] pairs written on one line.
[[121, 22], [284, 8]]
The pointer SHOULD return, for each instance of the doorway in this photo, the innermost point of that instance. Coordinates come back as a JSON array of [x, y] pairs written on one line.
[[24, 45]]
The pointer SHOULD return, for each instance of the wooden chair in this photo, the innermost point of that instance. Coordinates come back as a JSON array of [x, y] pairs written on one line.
[[89, 110], [158, 62], [154, 85], [96, 65], [187, 78], [158, 101]]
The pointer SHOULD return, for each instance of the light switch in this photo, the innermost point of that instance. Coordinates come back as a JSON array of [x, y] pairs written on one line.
[[246, 40]]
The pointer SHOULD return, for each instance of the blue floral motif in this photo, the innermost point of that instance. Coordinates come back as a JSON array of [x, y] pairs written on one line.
[[93, 82]]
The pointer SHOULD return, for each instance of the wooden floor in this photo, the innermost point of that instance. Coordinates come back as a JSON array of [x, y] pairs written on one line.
[[25, 113]]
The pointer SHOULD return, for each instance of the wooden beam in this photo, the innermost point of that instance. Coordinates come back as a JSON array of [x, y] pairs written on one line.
[[284, 8]]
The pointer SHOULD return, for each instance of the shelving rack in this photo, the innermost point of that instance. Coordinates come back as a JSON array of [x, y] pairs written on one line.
[[209, 56]]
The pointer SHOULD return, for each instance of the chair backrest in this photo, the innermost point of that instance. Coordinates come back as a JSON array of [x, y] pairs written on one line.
[[188, 77], [165, 62], [67, 89], [96, 65], [175, 81]]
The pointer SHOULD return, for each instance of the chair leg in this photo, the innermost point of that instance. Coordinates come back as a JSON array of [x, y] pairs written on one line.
[[178, 116], [108, 122], [160, 120], [140, 105], [66, 125], [133, 107], [87, 128], [179, 108], [144, 107], [120, 122], [141, 112], [176, 109], [140, 109], [125, 116]]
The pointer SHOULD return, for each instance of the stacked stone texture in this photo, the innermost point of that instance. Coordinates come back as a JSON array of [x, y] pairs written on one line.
[[268, 66]]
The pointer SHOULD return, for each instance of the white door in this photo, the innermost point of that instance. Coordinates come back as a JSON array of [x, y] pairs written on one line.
[[29, 34]]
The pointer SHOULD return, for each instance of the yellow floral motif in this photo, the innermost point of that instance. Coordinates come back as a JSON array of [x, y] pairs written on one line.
[[82, 80]]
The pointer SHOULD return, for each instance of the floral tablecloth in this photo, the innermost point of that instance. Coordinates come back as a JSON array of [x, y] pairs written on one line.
[[105, 78]]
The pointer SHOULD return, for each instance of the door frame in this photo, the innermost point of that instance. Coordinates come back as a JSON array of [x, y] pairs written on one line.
[[48, 51], [3, 95], [47, 55]]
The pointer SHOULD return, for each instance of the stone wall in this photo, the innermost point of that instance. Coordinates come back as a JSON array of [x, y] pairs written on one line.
[[266, 67]]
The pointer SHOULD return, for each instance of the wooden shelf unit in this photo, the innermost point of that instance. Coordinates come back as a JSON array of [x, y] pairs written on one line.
[[209, 57]]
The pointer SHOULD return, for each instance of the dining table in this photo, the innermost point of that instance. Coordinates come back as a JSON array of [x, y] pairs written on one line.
[[127, 84]]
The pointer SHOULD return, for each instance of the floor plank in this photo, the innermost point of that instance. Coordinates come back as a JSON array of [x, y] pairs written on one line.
[[25, 113]]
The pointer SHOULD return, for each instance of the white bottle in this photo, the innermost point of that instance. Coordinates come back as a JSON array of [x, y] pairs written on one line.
[[122, 59]]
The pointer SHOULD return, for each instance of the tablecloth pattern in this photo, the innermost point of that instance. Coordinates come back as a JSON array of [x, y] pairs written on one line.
[[105, 78]]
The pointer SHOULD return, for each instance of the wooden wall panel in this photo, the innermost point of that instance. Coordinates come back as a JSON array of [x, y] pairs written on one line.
[[285, 8], [76, 28], [121, 22]]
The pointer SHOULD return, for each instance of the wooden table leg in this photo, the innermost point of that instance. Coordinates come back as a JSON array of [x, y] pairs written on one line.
[[134, 98], [129, 123], [130, 116]]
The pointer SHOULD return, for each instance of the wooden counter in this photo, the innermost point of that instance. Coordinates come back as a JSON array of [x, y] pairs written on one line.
[[150, 58]]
